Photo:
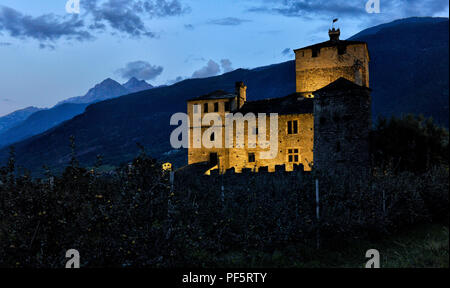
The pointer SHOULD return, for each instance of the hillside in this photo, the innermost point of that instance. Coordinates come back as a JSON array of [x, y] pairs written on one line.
[[36, 123], [409, 74], [12, 119]]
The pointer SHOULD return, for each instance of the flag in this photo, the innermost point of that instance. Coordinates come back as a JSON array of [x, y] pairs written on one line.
[[335, 20]]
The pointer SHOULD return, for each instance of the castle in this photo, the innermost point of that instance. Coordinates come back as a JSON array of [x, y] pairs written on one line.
[[325, 123]]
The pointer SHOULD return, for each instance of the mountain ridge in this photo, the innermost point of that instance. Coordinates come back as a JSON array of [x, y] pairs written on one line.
[[67, 109], [409, 74]]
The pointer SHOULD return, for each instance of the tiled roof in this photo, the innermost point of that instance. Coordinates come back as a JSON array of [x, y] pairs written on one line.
[[291, 104], [219, 94], [342, 84]]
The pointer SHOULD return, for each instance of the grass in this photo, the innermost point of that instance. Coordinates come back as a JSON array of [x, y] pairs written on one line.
[[425, 246]]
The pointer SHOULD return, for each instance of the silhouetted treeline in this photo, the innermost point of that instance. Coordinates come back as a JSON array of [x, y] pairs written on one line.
[[133, 217]]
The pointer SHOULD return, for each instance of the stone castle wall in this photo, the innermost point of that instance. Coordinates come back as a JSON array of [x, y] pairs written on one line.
[[341, 135], [313, 73]]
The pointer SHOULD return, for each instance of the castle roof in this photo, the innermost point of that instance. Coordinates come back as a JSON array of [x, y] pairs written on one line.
[[219, 94], [342, 84], [291, 104]]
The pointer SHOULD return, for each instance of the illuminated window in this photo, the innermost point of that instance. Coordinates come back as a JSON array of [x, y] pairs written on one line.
[[196, 108], [292, 127], [293, 155]]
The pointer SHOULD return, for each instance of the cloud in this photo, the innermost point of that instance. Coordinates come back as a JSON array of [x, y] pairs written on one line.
[[189, 27], [124, 16], [46, 46], [211, 69], [5, 44], [229, 21], [226, 65], [350, 8], [48, 27], [141, 70], [128, 16], [287, 52], [176, 80]]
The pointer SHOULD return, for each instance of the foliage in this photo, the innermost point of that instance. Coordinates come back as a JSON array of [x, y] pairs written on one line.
[[409, 143]]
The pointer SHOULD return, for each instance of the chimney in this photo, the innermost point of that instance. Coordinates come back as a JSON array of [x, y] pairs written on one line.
[[241, 92], [334, 34]]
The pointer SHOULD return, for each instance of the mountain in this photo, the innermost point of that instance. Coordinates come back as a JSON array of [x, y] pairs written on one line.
[[16, 117], [67, 109], [134, 85], [107, 89], [408, 70], [40, 121]]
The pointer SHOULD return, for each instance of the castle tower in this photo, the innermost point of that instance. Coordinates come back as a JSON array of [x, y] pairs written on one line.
[[342, 122], [318, 65]]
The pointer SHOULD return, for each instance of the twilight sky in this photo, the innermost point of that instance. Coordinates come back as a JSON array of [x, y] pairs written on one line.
[[47, 55]]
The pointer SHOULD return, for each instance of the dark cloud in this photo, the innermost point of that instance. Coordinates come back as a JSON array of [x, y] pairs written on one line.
[[287, 52], [5, 44], [227, 66], [350, 8], [141, 70], [46, 46], [189, 27], [229, 21], [125, 16], [48, 27], [176, 80], [128, 16], [211, 69]]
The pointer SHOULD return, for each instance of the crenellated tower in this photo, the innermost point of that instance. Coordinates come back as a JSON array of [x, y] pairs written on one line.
[[318, 65]]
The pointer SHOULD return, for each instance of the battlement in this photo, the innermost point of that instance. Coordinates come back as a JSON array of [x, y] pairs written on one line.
[[320, 64]]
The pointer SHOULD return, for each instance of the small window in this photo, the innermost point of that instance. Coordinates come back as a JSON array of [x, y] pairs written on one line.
[[293, 156], [216, 107], [292, 127], [212, 136], [205, 107], [315, 53], [195, 108], [227, 106], [251, 158], [342, 49]]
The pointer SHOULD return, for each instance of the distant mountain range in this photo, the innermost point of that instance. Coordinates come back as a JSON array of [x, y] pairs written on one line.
[[409, 73], [31, 121], [16, 117]]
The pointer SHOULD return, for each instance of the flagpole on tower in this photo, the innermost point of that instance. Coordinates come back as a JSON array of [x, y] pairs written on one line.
[[334, 21]]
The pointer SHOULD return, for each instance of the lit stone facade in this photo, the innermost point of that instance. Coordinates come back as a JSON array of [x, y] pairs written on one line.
[[321, 64], [316, 67]]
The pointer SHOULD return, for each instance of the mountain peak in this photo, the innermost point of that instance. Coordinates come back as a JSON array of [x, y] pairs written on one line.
[[135, 85]]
